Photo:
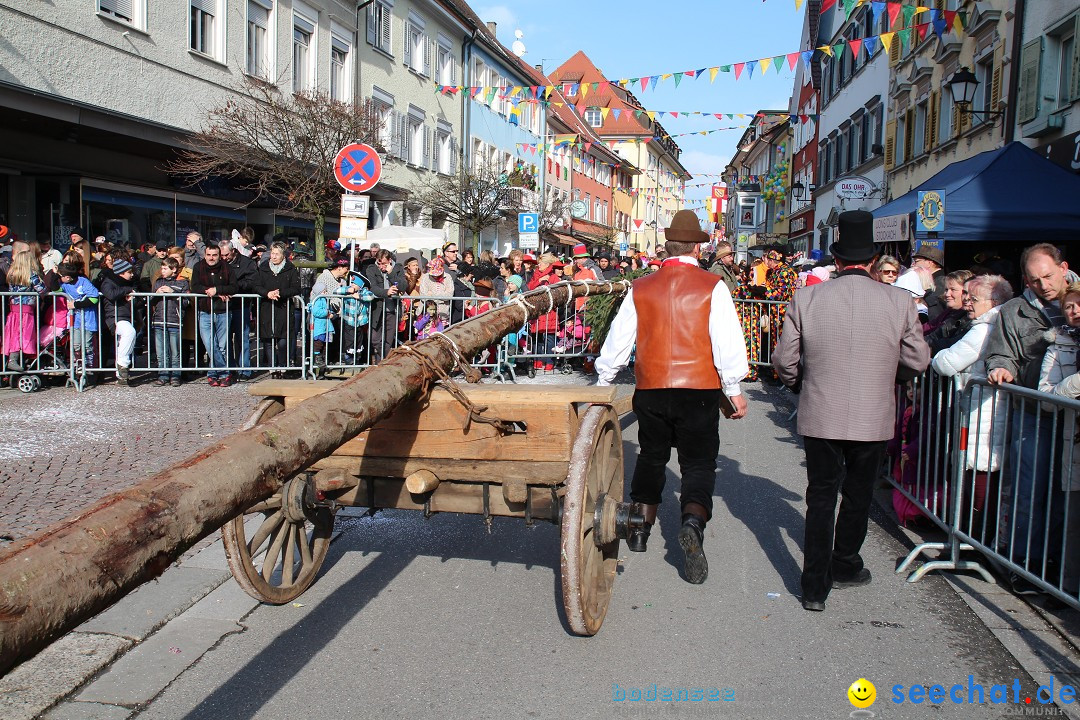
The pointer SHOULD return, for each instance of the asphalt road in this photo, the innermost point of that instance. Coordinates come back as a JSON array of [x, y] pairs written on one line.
[[438, 618]]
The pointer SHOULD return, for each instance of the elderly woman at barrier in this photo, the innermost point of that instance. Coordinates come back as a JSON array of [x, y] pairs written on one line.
[[437, 283], [1060, 377], [987, 419], [948, 327]]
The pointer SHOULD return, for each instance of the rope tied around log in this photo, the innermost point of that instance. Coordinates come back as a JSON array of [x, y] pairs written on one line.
[[472, 375]]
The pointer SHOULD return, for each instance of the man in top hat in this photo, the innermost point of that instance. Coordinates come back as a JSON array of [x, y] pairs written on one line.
[[844, 342], [690, 354], [932, 260]]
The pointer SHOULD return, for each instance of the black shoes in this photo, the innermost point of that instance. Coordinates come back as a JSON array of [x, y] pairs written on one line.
[[691, 536], [813, 605], [857, 580], [639, 539]]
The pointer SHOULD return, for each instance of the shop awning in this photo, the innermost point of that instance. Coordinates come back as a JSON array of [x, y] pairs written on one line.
[[564, 239], [1008, 194]]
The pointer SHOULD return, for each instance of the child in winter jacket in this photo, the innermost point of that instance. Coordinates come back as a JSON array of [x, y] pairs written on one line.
[[430, 321], [24, 277], [167, 320], [1060, 377], [84, 298], [355, 314]]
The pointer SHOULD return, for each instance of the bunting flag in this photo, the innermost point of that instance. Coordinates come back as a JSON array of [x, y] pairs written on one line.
[[941, 21]]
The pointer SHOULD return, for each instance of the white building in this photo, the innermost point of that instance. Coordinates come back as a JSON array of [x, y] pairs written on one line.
[[851, 120]]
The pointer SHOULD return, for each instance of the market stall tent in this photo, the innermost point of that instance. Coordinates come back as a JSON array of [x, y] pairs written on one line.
[[1011, 194]]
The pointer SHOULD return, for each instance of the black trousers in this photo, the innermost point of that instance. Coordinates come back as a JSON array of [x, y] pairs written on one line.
[[689, 421], [832, 541]]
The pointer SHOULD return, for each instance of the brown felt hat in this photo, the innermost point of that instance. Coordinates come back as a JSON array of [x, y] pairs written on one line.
[[931, 253], [686, 228]]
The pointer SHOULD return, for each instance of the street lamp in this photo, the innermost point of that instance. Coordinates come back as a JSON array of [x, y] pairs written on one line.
[[799, 191], [963, 85]]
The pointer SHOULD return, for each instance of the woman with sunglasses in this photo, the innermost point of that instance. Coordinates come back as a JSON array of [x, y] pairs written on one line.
[[888, 269]]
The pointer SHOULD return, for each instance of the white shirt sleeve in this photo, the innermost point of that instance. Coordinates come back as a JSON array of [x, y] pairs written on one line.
[[619, 343], [726, 337]]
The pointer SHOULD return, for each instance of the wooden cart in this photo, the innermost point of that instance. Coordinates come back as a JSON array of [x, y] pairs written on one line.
[[562, 462]]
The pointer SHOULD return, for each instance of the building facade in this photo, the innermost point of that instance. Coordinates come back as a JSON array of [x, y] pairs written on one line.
[[657, 192], [752, 210], [1047, 76], [925, 131], [803, 108], [851, 120]]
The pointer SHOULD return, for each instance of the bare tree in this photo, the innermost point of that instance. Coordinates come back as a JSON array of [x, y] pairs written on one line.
[[280, 146], [473, 199]]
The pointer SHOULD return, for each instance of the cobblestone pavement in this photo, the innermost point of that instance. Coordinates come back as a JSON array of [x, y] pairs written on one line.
[[63, 450]]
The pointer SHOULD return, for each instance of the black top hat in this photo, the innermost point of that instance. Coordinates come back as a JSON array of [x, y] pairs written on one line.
[[856, 237]]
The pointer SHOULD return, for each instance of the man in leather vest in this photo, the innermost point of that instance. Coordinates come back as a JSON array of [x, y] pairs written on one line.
[[690, 353]]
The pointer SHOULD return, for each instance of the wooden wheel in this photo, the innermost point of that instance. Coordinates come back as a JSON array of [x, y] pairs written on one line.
[[596, 469], [285, 552]]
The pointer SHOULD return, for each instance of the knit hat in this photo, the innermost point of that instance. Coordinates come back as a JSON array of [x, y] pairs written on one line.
[[515, 280], [580, 251], [121, 266], [436, 267]]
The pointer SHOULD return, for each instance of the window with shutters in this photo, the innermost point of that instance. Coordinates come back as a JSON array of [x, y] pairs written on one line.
[[443, 150], [382, 105], [417, 54], [854, 145], [1027, 102], [340, 85], [890, 145], [909, 135], [932, 124], [866, 137], [414, 148], [918, 139], [901, 139], [129, 12], [944, 115], [258, 34], [447, 70], [984, 72], [380, 25], [1064, 58], [205, 28]]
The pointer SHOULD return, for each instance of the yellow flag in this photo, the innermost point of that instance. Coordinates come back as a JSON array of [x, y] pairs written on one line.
[[548, 90], [584, 90], [886, 40], [798, 5], [827, 49], [651, 114], [604, 112], [712, 73], [765, 63], [666, 76]]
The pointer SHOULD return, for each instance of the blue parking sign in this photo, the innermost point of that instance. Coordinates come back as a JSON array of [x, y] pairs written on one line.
[[528, 222]]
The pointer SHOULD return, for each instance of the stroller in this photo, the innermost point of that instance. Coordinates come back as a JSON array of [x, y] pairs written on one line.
[[54, 349]]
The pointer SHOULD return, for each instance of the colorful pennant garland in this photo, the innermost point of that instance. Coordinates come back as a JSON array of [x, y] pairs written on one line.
[[941, 21]]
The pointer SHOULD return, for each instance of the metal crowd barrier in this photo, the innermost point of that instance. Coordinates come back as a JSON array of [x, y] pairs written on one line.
[[552, 341], [36, 338], [66, 351], [761, 322], [347, 333], [1012, 460]]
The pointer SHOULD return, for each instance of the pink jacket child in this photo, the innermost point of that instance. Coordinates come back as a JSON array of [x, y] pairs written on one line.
[[572, 335]]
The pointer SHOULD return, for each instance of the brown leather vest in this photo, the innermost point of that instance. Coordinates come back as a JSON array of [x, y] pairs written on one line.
[[673, 345]]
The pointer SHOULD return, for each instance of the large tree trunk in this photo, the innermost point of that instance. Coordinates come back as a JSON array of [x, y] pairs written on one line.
[[53, 581]]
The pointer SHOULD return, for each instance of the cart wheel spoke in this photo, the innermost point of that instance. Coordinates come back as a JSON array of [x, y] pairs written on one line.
[[588, 572], [277, 533]]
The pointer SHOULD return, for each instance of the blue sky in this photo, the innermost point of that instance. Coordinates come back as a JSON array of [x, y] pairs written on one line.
[[634, 39]]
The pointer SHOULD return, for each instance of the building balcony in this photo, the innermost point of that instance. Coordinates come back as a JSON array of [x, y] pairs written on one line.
[[521, 197]]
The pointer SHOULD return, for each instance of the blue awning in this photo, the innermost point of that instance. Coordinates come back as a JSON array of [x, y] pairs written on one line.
[[1008, 194]]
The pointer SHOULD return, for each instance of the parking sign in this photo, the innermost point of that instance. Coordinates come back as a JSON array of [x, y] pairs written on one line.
[[528, 222]]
